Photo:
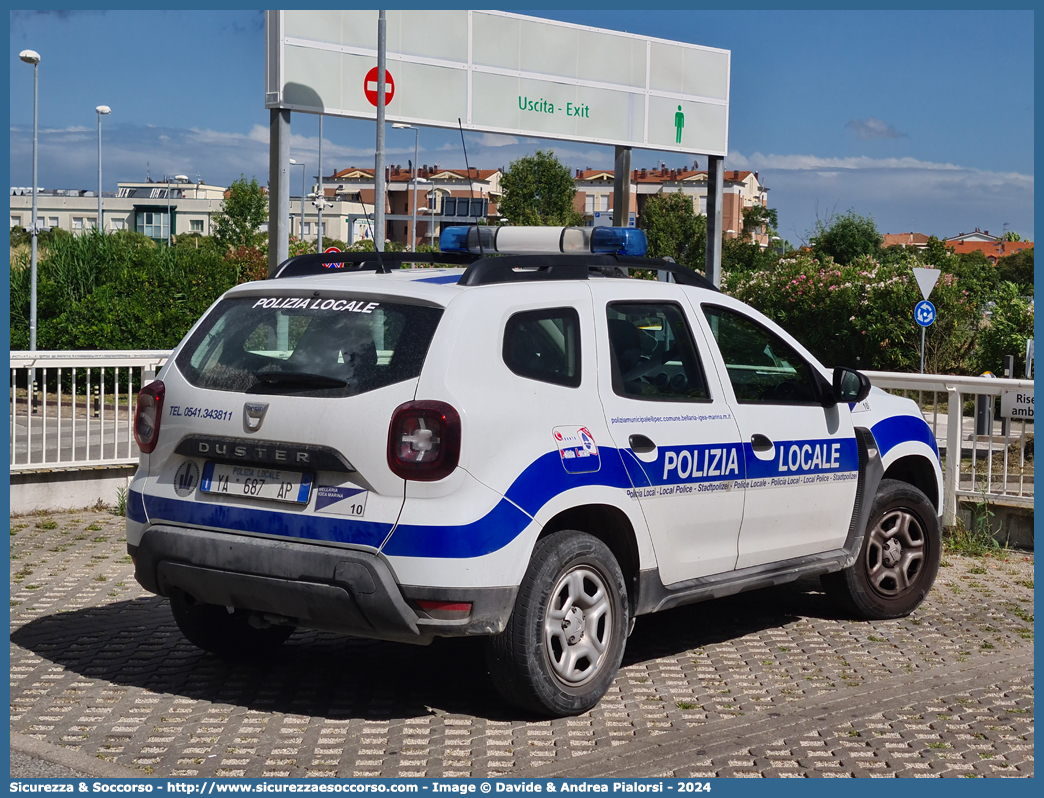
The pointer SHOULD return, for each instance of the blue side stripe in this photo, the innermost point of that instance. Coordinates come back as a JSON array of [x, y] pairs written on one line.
[[538, 484], [801, 453], [493, 531], [266, 522], [892, 431], [136, 507], [542, 480]]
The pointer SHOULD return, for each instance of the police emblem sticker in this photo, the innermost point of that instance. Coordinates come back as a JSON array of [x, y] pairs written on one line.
[[186, 479], [577, 449]]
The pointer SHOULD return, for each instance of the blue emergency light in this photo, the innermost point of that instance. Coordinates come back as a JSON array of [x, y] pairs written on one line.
[[545, 240]]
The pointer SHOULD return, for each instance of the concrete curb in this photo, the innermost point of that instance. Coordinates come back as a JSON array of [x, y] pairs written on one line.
[[89, 766]]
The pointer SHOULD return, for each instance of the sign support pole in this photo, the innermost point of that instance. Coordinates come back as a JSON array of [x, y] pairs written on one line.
[[278, 188], [378, 174], [622, 187], [320, 200], [922, 350], [715, 197]]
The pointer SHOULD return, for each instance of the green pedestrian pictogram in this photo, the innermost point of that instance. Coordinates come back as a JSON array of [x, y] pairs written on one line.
[[679, 123]]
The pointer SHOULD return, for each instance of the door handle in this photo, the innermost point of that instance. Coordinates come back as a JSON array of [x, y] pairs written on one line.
[[760, 443], [641, 444]]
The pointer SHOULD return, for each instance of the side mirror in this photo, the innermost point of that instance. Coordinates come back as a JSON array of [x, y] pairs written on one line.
[[850, 385]]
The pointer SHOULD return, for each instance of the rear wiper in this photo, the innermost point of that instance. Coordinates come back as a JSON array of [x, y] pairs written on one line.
[[301, 377]]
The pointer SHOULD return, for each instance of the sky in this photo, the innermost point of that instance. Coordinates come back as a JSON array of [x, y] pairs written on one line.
[[922, 120]]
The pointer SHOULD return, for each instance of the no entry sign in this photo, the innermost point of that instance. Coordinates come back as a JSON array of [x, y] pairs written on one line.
[[370, 86]]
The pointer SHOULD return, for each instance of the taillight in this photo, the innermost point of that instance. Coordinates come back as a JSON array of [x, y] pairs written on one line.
[[147, 416], [424, 441]]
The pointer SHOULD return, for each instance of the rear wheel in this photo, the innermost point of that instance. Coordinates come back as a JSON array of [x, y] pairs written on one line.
[[564, 642], [220, 632], [899, 558]]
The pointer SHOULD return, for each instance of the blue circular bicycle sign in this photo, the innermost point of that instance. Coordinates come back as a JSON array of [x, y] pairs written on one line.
[[924, 313]]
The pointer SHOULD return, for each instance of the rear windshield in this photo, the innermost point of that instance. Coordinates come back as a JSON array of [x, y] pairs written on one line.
[[308, 346]]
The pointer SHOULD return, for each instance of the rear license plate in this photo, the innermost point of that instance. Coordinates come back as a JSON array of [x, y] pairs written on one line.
[[256, 482]]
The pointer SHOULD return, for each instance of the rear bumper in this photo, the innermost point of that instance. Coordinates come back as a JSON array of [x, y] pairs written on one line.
[[319, 587]]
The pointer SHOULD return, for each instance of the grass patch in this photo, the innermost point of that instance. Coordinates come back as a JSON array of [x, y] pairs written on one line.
[[1020, 612], [47, 523], [686, 705], [1025, 583]]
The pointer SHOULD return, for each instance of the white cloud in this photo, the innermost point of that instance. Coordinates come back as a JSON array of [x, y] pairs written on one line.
[[495, 140], [872, 128], [939, 174], [901, 194]]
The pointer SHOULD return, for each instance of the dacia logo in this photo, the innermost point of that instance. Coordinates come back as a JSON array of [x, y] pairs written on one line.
[[254, 415]]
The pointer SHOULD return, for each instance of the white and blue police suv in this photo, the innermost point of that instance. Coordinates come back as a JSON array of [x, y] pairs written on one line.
[[524, 445]]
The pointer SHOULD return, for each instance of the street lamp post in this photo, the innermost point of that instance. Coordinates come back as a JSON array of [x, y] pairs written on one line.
[[168, 212], [302, 165], [101, 110], [416, 143], [33, 57]]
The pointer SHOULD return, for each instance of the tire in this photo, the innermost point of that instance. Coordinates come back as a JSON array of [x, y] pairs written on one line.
[[565, 639], [899, 557], [228, 635]]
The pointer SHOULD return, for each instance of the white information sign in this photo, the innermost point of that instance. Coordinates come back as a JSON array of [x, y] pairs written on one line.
[[504, 73], [1017, 405]]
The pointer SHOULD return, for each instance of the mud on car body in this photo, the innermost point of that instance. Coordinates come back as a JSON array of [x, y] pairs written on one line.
[[521, 446]]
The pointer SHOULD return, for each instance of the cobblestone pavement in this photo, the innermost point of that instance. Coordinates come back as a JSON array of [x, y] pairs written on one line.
[[769, 683]]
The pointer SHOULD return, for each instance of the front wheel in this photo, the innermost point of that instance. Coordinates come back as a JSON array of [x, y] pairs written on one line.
[[899, 558], [565, 640]]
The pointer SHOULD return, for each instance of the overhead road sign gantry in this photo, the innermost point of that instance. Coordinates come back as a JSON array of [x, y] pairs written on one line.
[[504, 73]]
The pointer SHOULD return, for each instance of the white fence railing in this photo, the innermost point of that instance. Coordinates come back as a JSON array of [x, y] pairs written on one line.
[[75, 410], [995, 457]]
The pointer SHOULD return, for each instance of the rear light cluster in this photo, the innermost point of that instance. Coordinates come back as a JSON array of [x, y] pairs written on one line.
[[424, 441], [147, 416]]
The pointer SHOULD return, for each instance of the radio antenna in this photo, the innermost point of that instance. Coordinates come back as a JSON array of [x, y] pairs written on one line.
[[369, 227], [471, 186]]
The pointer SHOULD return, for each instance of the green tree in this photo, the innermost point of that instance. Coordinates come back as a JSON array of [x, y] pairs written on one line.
[[539, 190], [845, 238], [245, 209], [1009, 325], [1011, 235], [674, 230], [759, 219], [739, 255], [1018, 269]]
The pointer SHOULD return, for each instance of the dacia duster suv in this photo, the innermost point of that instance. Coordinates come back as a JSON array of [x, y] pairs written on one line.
[[524, 444]]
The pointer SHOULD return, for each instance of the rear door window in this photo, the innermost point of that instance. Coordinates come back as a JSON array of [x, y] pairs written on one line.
[[544, 345], [308, 346]]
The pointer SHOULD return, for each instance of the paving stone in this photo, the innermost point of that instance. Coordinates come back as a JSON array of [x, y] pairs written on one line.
[[98, 665]]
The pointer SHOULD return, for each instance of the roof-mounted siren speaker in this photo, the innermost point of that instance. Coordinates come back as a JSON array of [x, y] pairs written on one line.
[[544, 240]]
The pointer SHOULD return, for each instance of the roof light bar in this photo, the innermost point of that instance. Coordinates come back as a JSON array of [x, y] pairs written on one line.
[[544, 240]]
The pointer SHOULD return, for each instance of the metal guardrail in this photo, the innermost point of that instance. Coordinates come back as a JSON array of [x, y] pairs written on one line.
[[75, 409], [80, 415], [992, 465]]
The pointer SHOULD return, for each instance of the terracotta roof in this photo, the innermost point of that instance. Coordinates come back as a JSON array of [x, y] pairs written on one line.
[[663, 175], [905, 239], [991, 249], [400, 175]]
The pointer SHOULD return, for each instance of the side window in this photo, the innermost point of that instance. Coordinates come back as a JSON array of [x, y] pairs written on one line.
[[762, 367], [544, 345], [653, 355]]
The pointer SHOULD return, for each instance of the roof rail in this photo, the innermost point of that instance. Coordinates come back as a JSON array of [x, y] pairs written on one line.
[[527, 268], [316, 263]]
